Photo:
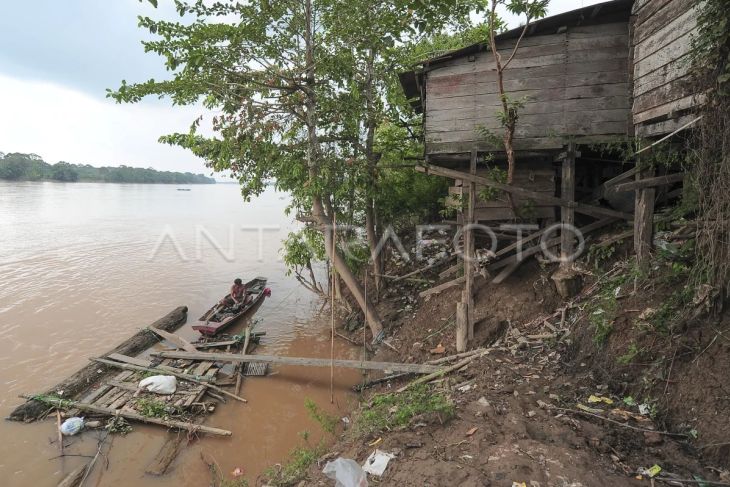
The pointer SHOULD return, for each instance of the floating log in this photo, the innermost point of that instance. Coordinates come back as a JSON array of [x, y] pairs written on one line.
[[171, 423], [91, 374], [167, 454], [186, 377], [74, 478], [306, 362]]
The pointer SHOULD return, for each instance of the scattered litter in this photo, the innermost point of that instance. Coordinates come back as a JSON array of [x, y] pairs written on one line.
[[438, 350], [160, 384], [376, 442], [585, 408], [483, 402], [651, 472], [519, 484], [237, 472], [72, 426], [644, 409], [543, 404], [346, 473], [466, 457], [377, 462], [466, 388], [92, 424], [346, 420], [531, 414], [472, 431], [595, 399]]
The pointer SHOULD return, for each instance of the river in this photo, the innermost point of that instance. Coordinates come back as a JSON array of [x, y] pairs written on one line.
[[83, 266]]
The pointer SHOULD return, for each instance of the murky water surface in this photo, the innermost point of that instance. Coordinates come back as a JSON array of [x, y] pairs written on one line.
[[84, 266]]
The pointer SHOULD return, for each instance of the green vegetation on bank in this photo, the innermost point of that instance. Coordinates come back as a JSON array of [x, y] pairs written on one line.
[[30, 167]]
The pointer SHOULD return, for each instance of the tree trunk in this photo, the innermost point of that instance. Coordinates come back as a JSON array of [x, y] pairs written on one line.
[[370, 211], [374, 321]]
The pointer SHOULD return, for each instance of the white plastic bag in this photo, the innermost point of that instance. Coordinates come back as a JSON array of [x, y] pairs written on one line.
[[377, 462], [346, 473], [160, 384], [72, 426]]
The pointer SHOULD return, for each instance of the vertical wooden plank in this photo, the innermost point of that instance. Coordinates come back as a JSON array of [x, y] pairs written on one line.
[[644, 220], [461, 327], [567, 215], [469, 247]]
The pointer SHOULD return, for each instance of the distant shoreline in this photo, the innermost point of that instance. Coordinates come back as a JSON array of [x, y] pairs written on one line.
[[31, 167], [212, 182]]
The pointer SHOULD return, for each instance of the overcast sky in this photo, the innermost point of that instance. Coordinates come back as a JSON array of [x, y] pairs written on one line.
[[56, 60]]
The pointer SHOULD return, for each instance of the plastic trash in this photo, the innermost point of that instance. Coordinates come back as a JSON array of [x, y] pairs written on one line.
[[377, 462], [72, 426], [159, 384], [346, 473]]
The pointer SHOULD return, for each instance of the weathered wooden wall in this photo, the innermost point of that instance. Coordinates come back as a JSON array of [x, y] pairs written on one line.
[[663, 95], [574, 83], [535, 176]]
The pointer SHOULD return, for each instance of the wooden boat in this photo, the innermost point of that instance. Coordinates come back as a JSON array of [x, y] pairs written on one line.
[[219, 316]]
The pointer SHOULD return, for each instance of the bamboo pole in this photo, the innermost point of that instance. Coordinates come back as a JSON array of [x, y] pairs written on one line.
[[168, 372], [332, 307], [301, 361], [193, 428]]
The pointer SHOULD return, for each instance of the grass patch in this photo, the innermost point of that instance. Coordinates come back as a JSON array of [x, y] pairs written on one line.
[[296, 466], [630, 355], [325, 420], [389, 411]]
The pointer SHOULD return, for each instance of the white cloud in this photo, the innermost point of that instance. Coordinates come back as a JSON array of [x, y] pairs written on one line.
[[60, 123]]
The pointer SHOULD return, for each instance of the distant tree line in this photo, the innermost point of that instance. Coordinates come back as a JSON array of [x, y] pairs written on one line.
[[30, 167]]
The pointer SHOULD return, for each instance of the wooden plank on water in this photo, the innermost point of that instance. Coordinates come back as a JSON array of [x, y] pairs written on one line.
[[302, 361], [174, 339], [129, 360], [203, 367]]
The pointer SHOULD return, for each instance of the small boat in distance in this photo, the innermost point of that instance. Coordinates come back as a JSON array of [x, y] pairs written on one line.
[[183, 189], [220, 316]]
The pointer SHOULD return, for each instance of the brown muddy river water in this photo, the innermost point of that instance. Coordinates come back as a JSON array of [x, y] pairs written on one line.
[[84, 266]]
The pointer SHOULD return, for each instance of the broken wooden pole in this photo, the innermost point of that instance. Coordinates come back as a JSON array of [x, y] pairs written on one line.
[[171, 423], [567, 214], [176, 340], [644, 220], [301, 361], [542, 198], [91, 374], [462, 331], [442, 372], [186, 377], [651, 182], [239, 366], [442, 287], [469, 258]]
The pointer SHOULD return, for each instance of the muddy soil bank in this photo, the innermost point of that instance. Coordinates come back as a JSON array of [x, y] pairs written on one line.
[[524, 411]]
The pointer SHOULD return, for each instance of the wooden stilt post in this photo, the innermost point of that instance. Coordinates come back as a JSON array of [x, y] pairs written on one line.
[[567, 215], [469, 249], [644, 219]]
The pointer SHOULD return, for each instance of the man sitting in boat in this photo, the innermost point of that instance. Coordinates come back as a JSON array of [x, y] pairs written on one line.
[[237, 296]]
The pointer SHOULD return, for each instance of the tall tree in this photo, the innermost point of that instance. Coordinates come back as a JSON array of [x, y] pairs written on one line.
[[531, 9]]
